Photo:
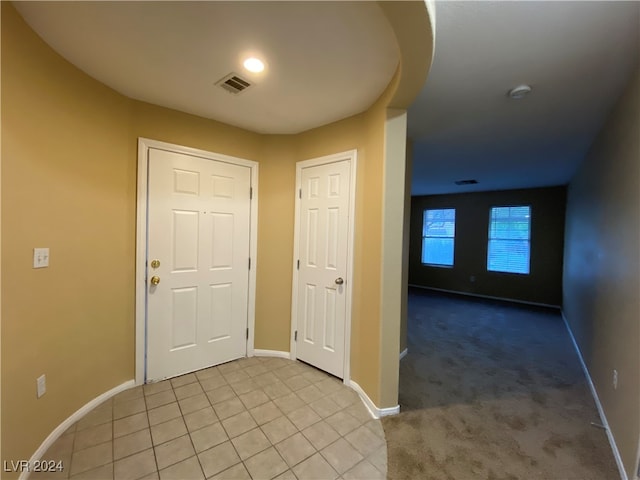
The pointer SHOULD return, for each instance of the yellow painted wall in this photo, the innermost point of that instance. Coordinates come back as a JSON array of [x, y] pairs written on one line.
[[275, 243], [67, 183], [159, 123], [69, 153]]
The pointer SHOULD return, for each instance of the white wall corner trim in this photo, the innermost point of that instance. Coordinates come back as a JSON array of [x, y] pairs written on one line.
[[603, 417], [271, 353], [374, 411], [403, 353], [81, 412]]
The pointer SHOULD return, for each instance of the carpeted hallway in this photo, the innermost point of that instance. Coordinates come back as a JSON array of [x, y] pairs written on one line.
[[491, 390]]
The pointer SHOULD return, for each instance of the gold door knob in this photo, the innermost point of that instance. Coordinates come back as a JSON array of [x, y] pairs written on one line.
[[339, 281], [155, 280]]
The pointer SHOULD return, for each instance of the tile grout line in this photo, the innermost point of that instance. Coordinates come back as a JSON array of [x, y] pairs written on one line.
[[310, 376], [227, 433], [187, 427], [231, 440], [153, 448], [113, 438], [221, 425], [289, 468], [298, 430], [259, 427], [242, 461], [73, 447]]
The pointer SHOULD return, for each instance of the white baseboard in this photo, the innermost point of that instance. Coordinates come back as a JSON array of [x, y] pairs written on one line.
[[603, 417], [489, 297], [64, 426], [271, 353], [403, 353], [373, 409]]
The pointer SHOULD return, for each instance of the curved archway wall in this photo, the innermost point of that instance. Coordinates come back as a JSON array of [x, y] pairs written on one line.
[[69, 182]]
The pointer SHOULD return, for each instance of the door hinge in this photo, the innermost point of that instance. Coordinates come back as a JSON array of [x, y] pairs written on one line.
[[249, 263], [298, 264], [300, 193], [250, 193], [247, 333], [295, 336]]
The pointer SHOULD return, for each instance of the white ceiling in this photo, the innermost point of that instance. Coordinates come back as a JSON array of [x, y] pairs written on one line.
[[325, 60], [330, 60], [577, 56]]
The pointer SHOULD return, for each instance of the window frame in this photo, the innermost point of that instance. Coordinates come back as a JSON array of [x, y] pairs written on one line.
[[507, 240], [424, 236]]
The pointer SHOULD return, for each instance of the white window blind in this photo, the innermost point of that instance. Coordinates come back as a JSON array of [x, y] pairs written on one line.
[[438, 236], [509, 239]]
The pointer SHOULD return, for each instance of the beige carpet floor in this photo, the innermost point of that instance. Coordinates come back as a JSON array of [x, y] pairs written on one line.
[[491, 390]]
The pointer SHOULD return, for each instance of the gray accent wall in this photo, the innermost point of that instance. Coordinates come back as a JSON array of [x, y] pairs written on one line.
[[469, 273], [601, 278]]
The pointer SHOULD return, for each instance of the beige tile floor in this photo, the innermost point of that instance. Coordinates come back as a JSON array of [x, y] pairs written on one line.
[[253, 418]]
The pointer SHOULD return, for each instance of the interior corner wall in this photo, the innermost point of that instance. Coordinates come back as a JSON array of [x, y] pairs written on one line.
[[68, 181], [602, 269], [276, 211], [469, 273], [404, 314], [393, 273], [69, 151]]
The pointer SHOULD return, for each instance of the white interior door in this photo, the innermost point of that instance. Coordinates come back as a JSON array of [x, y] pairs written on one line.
[[323, 240], [198, 232]]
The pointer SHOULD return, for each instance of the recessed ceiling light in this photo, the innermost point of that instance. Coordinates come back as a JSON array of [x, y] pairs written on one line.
[[254, 65], [520, 91]]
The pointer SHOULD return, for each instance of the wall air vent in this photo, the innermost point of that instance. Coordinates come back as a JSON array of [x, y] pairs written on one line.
[[466, 182], [234, 83]]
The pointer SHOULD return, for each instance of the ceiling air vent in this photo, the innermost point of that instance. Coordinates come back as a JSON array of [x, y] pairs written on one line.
[[466, 182], [233, 83]]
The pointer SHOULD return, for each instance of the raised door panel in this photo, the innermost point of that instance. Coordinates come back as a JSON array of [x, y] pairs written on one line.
[[323, 234], [199, 218]]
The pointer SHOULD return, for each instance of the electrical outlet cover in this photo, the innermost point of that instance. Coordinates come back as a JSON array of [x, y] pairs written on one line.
[[40, 257]]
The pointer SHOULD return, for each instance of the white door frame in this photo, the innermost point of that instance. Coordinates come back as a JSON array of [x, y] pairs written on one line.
[[352, 157], [144, 144]]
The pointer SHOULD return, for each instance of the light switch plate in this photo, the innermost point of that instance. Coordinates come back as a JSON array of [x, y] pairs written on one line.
[[41, 383], [40, 257]]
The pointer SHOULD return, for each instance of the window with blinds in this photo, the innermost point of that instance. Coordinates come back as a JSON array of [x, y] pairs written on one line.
[[438, 236], [509, 239]]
